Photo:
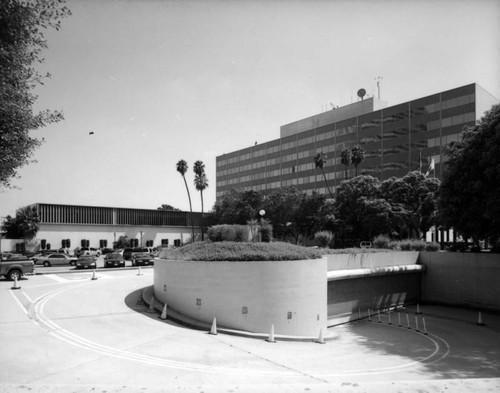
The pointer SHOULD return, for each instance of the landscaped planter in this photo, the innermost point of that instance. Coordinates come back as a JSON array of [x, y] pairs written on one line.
[[249, 296]]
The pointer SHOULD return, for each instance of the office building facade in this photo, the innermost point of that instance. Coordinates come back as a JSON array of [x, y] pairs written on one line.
[[396, 140]]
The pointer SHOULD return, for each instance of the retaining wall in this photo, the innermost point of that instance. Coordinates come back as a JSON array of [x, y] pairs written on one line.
[[375, 281], [462, 279], [250, 296]]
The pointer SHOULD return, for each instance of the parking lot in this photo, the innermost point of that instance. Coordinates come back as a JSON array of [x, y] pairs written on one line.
[[63, 331]]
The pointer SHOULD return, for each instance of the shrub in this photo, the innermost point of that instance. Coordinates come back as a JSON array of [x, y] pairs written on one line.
[[413, 245], [241, 251], [432, 246], [266, 231], [225, 233], [323, 238], [381, 241]]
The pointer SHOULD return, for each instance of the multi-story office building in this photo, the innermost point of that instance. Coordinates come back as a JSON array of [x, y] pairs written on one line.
[[396, 140]]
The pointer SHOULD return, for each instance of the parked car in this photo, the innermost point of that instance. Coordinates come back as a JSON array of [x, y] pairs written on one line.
[[127, 253], [55, 260], [14, 266], [88, 251], [141, 258], [114, 259], [86, 262]]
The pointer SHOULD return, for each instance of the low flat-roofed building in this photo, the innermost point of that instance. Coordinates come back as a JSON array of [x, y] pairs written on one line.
[[102, 226]]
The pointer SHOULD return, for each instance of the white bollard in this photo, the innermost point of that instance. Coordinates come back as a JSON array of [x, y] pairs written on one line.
[[399, 318], [425, 327], [320, 339], [418, 309], [369, 315], [16, 285], [271, 335], [94, 277], [389, 315], [416, 323], [378, 313], [480, 319], [164, 312], [408, 321], [139, 273], [213, 329]]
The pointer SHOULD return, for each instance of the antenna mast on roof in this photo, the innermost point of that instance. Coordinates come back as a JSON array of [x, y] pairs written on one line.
[[378, 78]]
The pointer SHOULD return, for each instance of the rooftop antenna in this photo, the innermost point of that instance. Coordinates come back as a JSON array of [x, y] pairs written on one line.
[[378, 78]]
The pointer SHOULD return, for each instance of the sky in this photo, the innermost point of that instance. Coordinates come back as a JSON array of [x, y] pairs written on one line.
[[159, 81]]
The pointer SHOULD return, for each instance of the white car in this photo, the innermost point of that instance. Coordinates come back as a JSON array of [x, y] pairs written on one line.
[[55, 260], [89, 251]]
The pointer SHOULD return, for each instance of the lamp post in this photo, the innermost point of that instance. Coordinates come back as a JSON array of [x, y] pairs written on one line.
[[262, 213]]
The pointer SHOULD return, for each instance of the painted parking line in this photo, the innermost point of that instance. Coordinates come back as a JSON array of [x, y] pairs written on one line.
[[65, 278]]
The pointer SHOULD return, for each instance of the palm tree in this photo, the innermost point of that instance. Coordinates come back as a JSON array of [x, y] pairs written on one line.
[[201, 183], [345, 159], [319, 162], [357, 156], [182, 168]]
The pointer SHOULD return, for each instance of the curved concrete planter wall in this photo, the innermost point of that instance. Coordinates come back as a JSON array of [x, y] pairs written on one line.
[[250, 296]]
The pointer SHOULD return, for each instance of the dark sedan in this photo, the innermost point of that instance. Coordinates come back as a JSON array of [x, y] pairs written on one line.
[[114, 259], [141, 258], [86, 262]]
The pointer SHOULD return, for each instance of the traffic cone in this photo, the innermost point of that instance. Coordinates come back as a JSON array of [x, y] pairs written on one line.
[[164, 312], [213, 330], [139, 273], [152, 305], [480, 319], [94, 277], [16, 285], [320, 339], [271, 335]]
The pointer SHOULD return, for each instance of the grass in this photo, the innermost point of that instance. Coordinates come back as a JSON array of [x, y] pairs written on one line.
[[241, 251]]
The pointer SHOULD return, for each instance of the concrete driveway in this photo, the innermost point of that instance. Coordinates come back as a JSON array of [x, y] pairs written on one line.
[[69, 333]]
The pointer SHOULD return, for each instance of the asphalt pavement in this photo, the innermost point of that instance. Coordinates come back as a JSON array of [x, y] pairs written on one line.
[[86, 332]]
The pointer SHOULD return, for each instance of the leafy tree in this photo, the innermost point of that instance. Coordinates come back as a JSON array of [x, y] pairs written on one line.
[[182, 168], [308, 218], [168, 208], [280, 206], [360, 209], [319, 162], [470, 191], [357, 156], [24, 225], [345, 159], [22, 40], [414, 197], [236, 207], [201, 183], [122, 242]]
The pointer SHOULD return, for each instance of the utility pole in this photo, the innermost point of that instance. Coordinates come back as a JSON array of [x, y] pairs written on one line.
[[378, 78]]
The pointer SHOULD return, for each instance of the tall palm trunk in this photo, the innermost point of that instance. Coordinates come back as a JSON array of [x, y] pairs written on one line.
[[326, 183], [190, 209], [202, 214]]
